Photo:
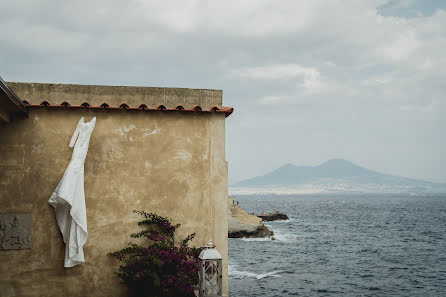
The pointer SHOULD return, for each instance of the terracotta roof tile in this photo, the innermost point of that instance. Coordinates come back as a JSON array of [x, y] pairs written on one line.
[[124, 106]]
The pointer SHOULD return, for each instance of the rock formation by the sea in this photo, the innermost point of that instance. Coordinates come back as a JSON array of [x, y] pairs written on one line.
[[273, 216], [241, 224]]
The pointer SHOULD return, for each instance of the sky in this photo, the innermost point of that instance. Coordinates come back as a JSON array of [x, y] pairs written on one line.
[[309, 80]]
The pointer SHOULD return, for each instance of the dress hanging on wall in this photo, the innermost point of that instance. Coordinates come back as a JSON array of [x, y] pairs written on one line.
[[68, 198]]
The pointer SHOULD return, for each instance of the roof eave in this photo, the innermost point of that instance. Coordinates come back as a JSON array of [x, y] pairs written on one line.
[[10, 102]]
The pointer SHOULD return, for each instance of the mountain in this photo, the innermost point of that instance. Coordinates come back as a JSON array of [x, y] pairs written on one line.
[[336, 175]]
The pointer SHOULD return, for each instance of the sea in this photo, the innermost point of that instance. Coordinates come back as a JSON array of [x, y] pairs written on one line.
[[343, 245]]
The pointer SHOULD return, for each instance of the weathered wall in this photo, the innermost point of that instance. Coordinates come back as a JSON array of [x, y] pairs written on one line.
[[36, 93], [168, 163]]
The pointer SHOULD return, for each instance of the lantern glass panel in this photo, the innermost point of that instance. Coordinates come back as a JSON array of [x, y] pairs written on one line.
[[211, 277]]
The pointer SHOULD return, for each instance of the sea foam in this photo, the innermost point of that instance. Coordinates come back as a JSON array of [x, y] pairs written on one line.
[[233, 272]]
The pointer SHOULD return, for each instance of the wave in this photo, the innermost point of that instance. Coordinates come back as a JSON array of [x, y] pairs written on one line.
[[281, 221], [248, 274], [281, 235], [285, 236], [272, 273], [255, 239]]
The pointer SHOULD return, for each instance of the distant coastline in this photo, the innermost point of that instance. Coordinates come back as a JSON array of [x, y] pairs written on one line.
[[336, 176], [235, 191], [341, 195]]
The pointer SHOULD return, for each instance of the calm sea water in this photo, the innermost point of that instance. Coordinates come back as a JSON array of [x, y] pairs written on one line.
[[343, 246]]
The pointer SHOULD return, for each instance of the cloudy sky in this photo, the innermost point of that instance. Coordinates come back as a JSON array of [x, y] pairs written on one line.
[[310, 80]]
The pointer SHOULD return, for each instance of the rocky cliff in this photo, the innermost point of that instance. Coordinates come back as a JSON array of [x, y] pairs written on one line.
[[273, 216], [241, 224]]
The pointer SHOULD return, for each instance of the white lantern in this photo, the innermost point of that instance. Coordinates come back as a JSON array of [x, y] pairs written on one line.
[[210, 271]]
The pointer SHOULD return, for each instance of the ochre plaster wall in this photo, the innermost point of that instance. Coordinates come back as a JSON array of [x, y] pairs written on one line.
[[167, 163]]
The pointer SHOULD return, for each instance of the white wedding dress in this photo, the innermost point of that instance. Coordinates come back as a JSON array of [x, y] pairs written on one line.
[[68, 198]]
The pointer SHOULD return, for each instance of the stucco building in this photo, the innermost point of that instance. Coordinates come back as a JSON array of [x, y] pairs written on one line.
[[160, 150]]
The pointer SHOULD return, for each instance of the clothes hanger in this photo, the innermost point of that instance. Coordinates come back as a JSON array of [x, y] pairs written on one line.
[[89, 110]]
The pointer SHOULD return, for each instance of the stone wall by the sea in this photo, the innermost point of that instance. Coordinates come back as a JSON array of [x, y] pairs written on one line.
[[168, 162]]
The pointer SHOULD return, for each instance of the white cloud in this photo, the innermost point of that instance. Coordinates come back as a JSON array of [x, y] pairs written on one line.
[[308, 78], [403, 47], [244, 18], [271, 100], [278, 71], [418, 108], [402, 3], [381, 79]]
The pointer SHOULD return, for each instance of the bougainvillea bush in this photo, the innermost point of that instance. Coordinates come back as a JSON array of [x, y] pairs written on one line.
[[160, 269]]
